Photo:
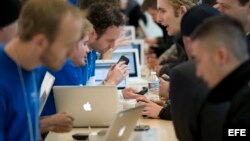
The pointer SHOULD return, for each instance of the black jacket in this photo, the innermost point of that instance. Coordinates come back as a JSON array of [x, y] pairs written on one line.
[[181, 56], [230, 100], [187, 93], [248, 43]]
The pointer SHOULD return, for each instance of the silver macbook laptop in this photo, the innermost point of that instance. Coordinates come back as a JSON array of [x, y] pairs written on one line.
[[122, 126], [90, 106]]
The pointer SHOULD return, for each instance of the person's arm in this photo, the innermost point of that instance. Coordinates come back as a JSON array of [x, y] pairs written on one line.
[[151, 109], [165, 112], [59, 123], [121, 41], [130, 93], [168, 53]]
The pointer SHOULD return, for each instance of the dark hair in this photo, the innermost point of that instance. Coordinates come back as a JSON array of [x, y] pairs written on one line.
[[149, 4], [225, 31], [209, 2], [103, 16], [243, 2], [85, 4]]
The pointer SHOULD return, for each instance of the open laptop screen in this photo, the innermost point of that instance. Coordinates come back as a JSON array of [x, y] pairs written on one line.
[[101, 71], [136, 44], [132, 55]]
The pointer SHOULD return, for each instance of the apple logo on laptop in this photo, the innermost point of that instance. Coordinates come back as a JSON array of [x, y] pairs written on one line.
[[121, 131], [87, 106]]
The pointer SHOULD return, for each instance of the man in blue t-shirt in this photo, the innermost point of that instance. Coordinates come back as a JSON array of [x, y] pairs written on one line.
[[71, 73], [19, 100], [101, 39]]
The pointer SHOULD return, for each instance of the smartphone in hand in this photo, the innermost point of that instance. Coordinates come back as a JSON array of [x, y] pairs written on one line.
[[143, 91], [123, 58]]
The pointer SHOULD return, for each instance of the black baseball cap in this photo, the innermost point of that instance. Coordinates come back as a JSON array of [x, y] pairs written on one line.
[[195, 16], [10, 10]]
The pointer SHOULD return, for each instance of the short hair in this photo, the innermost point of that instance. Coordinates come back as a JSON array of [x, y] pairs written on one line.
[[86, 28], [178, 3], [243, 2], [85, 4], [149, 4], [43, 16], [103, 15], [225, 31]]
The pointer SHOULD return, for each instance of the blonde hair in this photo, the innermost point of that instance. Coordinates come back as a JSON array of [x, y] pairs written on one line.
[[87, 27], [44, 17], [178, 3]]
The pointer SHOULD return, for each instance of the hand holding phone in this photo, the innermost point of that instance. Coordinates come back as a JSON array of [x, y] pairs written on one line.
[[123, 58], [143, 91]]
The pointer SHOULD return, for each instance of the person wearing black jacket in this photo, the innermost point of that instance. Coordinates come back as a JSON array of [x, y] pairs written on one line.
[[220, 50], [184, 85]]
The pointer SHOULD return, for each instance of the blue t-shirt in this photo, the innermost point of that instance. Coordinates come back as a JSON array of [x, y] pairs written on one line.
[[74, 2], [16, 114], [68, 75], [89, 68]]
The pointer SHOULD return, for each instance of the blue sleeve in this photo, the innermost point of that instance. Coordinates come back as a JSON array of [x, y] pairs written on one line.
[[40, 73], [94, 63], [2, 118], [93, 70], [73, 2]]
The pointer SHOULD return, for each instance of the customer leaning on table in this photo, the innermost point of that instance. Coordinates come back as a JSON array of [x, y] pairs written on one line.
[[169, 15], [183, 82]]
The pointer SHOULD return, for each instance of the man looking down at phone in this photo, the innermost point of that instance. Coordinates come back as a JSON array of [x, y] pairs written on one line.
[[101, 38], [108, 24]]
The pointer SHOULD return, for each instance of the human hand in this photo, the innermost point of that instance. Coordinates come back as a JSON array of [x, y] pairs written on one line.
[[151, 109], [59, 123], [122, 41], [130, 93], [117, 73]]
